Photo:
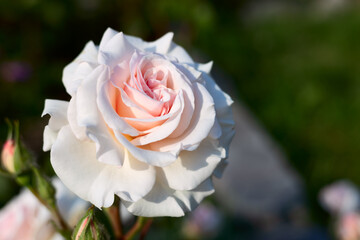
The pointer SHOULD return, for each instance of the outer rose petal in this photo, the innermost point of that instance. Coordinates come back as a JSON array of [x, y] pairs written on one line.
[[163, 201], [79, 131], [88, 116], [57, 110], [75, 72], [192, 168], [179, 53], [115, 50], [75, 163], [224, 116], [161, 45]]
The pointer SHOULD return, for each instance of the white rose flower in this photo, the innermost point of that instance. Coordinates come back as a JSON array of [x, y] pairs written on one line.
[[144, 122]]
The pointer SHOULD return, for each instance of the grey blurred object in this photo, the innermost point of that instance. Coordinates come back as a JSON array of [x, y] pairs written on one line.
[[258, 182]]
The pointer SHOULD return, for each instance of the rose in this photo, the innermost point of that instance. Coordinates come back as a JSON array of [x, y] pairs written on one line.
[[145, 122], [26, 218]]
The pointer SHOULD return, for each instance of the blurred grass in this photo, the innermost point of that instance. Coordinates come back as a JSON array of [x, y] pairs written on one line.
[[298, 72]]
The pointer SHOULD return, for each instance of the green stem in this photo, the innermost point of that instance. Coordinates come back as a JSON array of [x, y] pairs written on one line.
[[137, 228], [55, 212], [113, 213], [145, 229]]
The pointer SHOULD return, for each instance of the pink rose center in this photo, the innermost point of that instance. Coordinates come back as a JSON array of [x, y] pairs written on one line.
[[145, 97]]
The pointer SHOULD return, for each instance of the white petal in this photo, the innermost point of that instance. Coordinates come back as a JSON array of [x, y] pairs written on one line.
[[79, 131], [49, 137], [154, 158], [224, 116], [115, 50], [223, 109], [163, 201], [82, 65], [179, 53], [206, 67], [75, 163], [88, 116], [108, 34], [222, 100], [161, 45], [57, 110], [193, 167]]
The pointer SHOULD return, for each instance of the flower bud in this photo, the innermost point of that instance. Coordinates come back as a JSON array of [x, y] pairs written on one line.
[[15, 157], [89, 228], [7, 156]]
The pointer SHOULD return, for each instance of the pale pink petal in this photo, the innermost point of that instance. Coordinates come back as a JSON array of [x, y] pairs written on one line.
[[109, 114], [199, 128], [164, 130]]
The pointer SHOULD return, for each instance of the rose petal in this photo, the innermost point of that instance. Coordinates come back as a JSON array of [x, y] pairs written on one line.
[[108, 34], [112, 119], [57, 110], [159, 46], [167, 127], [178, 81], [115, 50], [79, 131], [75, 163], [179, 53], [49, 138], [88, 116], [154, 158], [75, 71], [206, 67], [224, 118], [163, 201], [202, 121], [192, 168]]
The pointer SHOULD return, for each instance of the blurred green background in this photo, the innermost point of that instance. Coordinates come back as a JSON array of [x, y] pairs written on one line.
[[295, 65]]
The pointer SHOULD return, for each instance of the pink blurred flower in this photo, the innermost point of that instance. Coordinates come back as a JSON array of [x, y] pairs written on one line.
[[348, 227], [340, 197], [25, 218]]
